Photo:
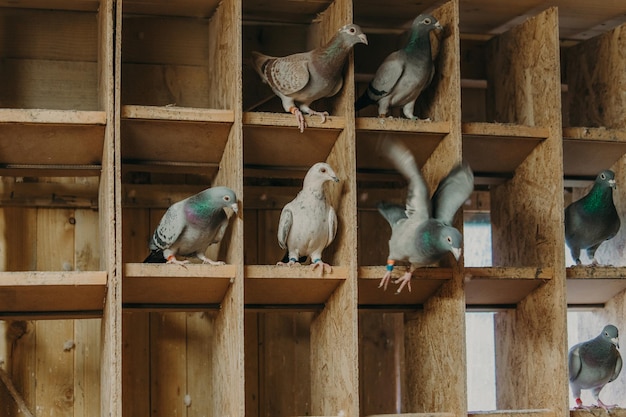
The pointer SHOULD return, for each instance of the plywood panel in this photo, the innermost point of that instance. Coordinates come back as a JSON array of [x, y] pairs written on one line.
[[136, 364]]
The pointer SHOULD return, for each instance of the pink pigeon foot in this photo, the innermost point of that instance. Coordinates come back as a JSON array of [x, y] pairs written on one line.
[[404, 280], [607, 407], [326, 268], [299, 117]]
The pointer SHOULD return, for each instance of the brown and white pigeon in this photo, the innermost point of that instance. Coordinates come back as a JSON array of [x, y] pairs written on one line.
[[308, 223], [308, 76], [405, 73], [595, 363]]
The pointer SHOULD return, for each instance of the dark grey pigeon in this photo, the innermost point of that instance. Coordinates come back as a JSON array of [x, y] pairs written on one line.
[[422, 231], [190, 226], [309, 76], [592, 219], [405, 73], [595, 363]]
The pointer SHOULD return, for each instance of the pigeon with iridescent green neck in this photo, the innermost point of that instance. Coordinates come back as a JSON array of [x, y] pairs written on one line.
[[593, 364], [191, 225], [422, 231], [405, 73], [308, 76], [592, 219]]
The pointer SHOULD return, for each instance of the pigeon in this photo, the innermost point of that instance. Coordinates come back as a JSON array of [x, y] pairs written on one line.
[[405, 73], [190, 226], [308, 223], [595, 363], [592, 219], [421, 232], [309, 76]]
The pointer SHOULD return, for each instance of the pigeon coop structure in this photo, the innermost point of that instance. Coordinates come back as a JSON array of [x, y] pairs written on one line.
[[111, 110]]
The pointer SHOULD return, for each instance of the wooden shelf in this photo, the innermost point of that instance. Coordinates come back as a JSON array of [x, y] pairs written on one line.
[[421, 137], [38, 142], [513, 413], [598, 412], [413, 415], [174, 139], [171, 286], [510, 142], [425, 282], [588, 151], [588, 285], [502, 286], [275, 286], [269, 136], [184, 8], [52, 294]]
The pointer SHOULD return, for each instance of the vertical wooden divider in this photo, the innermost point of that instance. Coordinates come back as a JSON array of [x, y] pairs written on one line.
[[435, 337], [334, 332], [227, 351], [527, 218]]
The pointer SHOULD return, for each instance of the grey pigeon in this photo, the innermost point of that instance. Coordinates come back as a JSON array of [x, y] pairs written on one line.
[[595, 363], [592, 219], [422, 231], [190, 226], [405, 73], [309, 76], [308, 223]]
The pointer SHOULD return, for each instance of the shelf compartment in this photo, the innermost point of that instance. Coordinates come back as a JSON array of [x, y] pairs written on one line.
[[174, 139], [269, 136], [51, 142], [271, 285], [52, 294], [162, 285], [502, 286], [589, 151], [588, 285], [512, 143], [425, 282], [421, 137]]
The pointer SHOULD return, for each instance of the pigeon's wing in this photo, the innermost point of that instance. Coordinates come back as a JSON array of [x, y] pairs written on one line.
[[222, 224], [417, 202], [618, 368], [391, 212], [170, 227], [452, 192], [574, 363], [332, 226], [289, 74], [284, 225], [387, 75]]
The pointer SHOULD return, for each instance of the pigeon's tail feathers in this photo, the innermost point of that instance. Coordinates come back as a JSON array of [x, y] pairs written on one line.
[[391, 212], [363, 101], [259, 61], [155, 257], [452, 192]]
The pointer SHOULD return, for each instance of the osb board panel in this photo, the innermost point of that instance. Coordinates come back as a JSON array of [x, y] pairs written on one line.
[[594, 90]]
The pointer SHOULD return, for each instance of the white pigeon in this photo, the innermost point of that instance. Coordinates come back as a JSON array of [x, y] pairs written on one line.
[[308, 223]]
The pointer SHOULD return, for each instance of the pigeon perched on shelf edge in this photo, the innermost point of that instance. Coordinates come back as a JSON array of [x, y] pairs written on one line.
[[308, 76], [422, 231], [593, 364], [405, 73], [592, 219], [190, 226], [308, 223]]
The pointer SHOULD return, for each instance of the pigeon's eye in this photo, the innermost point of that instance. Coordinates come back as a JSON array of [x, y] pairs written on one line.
[[603, 176], [427, 21], [449, 239], [352, 30], [323, 170], [226, 198]]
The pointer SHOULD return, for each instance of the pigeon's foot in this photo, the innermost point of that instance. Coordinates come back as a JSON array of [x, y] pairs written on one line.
[[206, 260], [172, 260], [607, 407], [385, 280], [580, 406], [326, 268], [321, 114], [404, 280], [291, 262], [299, 117]]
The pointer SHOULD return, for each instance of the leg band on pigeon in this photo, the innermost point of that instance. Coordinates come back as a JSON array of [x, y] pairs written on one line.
[[293, 109], [317, 260], [390, 264], [293, 259]]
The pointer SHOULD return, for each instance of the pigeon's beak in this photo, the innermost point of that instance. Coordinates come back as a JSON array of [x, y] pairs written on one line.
[[612, 184], [335, 179], [363, 38], [615, 341], [235, 207], [438, 26], [456, 252]]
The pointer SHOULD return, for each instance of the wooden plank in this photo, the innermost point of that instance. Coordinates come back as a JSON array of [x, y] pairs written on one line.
[[87, 371], [175, 284], [254, 363], [69, 117], [77, 5], [22, 339], [18, 226], [425, 283], [251, 119], [514, 413], [200, 331], [174, 113], [136, 354], [190, 8]]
